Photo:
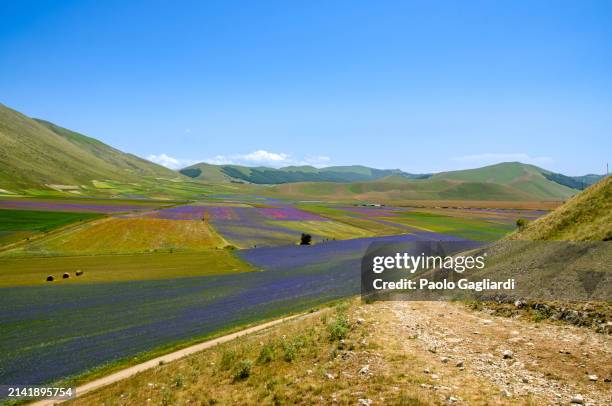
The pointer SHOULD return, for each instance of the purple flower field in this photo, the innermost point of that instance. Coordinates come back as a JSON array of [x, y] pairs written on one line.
[[53, 332], [289, 213], [186, 212], [243, 226], [71, 207]]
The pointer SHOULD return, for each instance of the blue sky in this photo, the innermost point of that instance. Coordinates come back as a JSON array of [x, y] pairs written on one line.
[[418, 85]]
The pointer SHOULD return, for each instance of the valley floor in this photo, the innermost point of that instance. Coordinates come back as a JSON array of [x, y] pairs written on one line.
[[408, 353]]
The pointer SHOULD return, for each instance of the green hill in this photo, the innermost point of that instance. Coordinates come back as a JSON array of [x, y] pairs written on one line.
[[36, 154], [290, 174], [537, 182], [561, 256], [511, 181], [586, 216]]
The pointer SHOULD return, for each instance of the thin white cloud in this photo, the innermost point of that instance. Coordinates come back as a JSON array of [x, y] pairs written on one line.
[[259, 157], [493, 158], [267, 158], [264, 156], [170, 162]]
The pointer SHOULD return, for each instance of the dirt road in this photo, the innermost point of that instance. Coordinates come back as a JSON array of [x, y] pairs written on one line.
[[547, 362], [126, 373]]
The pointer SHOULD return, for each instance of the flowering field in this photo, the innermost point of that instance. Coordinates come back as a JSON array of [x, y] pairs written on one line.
[[475, 224], [80, 205], [51, 332], [174, 283], [247, 226]]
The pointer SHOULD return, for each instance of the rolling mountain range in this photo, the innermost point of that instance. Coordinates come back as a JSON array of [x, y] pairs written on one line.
[[291, 174], [36, 155]]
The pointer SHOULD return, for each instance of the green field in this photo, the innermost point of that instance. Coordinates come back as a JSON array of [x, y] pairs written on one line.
[[17, 225], [474, 229], [369, 225], [118, 268]]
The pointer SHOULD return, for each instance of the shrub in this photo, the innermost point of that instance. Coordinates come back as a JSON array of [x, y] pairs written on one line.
[[66, 275], [244, 369], [50, 278], [227, 359], [79, 273], [305, 239], [266, 354], [289, 351], [339, 328], [521, 224], [179, 380]]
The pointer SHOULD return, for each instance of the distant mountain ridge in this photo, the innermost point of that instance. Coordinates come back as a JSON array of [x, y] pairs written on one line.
[[36, 155], [528, 178], [291, 174], [508, 181]]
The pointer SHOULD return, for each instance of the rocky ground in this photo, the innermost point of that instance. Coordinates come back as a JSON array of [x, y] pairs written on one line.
[[555, 364]]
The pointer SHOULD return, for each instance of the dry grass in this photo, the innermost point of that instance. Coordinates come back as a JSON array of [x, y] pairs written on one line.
[[586, 216], [335, 356]]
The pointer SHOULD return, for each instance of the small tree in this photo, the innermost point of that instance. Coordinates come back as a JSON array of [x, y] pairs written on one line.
[[305, 239], [521, 224]]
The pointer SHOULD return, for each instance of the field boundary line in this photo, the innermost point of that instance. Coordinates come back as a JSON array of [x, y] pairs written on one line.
[[50, 234], [173, 356]]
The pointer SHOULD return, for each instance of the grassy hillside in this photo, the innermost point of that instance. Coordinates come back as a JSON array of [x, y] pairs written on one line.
[[397, 189], [289, 174], [561, 256], [537, 182], [109, 154], [35, 154], [586, 216], [511, 181]]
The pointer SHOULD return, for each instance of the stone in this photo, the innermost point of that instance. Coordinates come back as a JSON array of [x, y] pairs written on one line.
[[593, 378], [364, 402], [459, 364], [578, 400], [507, 354]]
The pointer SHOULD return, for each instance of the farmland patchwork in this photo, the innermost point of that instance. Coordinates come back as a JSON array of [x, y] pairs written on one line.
[[156, 274]]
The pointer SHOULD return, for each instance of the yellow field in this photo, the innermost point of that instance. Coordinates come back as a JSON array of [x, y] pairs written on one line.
[[129, 235], [327, 229]]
